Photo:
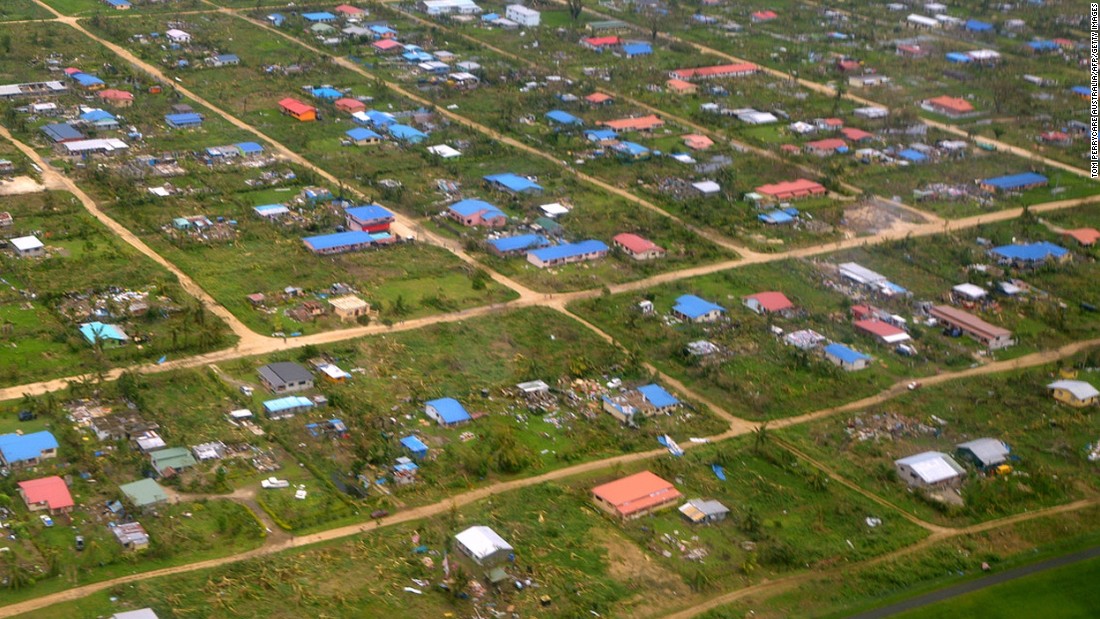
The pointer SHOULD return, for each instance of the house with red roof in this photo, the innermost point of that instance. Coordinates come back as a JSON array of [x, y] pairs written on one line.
[[117, 98], [740, 69], [856, 135], [953, 107], [599, 98], [882, 331], [791, 190], [1086, 237], [637, 247], [298, 110], [1058, 138], [764, 16], [847, 65], [635, 495], [46, 493], [826, 147], [639, 123], [598, 44], [911, 51], [695, 141], [770, 302], [350, 11], [387, 46], [828, 124]]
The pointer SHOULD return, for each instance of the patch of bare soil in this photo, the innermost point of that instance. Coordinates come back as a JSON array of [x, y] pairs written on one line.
[[19, 185], [658, 589], [874, 216]]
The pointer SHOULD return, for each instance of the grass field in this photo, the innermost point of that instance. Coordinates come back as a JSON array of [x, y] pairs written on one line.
[[1062, 593]]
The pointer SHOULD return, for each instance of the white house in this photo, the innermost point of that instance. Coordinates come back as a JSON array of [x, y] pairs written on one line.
[[176, 35], [483, 545], [28, 247], [522, 15], [928, 469]]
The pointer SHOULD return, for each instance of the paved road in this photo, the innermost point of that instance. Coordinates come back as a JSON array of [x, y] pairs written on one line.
[[979, 584]]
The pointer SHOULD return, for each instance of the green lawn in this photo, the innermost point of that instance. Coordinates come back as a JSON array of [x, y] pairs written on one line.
[[1062, 593]]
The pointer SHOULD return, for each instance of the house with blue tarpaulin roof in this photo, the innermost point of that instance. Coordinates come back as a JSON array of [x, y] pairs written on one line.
[[320, 17], [600, 135], [404, 471], [374, 117], [326, 93], [109, 336], [446, 412], [1042, 45], [100, 119], [1029, 253], [957, 58], [912, 156], [249, 148], [362, 135], [975, 25], [406, 134], [1014, 182], [415, 446], [846, 358], [288, 406], [631, 151], [636, 49], [416, 56], [696, 309], [382, 31], [183, 121], [657, 396], [368, 218], [516, 245], [23, 450], [1082, 91], [779, 216], [558, 117], [566, 253], [512, 183], [471, 212], [271, 211], [119, 5], [276, 19], [341, 242], [87, 81]]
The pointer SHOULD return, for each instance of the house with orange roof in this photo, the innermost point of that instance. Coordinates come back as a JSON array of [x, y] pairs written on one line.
[[387, 46], [117, 98], [694, 141], [637, 247], [1085, 237], [349, 105], [46, 493], [599, 44], [681, 87], [764, 16], [599, 98], [770, 302], [298, 110], [349, 11], [740, 69], [826, 147], [791, 190], [635, 495], [856, 135], [639, 123], [953, 107]]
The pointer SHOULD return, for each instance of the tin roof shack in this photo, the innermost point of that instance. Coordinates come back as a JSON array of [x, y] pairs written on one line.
[[635, 495], [698, 511], [930, 469], [131, 535], [484, 546], [985, 453], [168, 462], [846, 358]]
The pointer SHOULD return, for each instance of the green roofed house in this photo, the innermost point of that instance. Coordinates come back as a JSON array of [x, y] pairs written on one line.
[[168, 462], [144, 492]]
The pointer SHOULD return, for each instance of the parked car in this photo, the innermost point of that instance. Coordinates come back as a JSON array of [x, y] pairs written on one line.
[[46, 520], [27, 415], [379, 513], [80, 542]]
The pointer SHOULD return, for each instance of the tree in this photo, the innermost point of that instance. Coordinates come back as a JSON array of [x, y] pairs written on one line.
[[575, 8], [760, 437]]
